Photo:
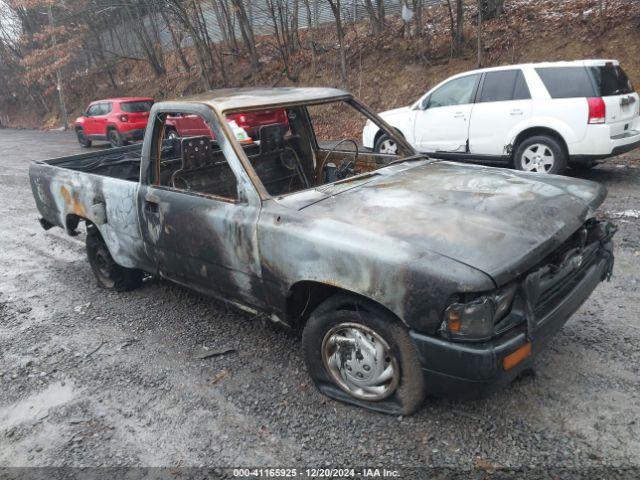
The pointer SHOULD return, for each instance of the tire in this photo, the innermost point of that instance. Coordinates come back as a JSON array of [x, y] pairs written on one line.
[[385, 144], [82, 140], [109, 274], [340, 317], [540, 154], [115, 139]]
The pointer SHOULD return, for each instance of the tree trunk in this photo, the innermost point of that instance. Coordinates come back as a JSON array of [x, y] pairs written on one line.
[[335, 8], [175, 41], [377, 24], [459, 37], [247, 33]]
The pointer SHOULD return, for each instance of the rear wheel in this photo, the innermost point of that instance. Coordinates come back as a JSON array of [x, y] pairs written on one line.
[[357, 352], [82, 139], [540, 154], [109, 274], [115, 139]]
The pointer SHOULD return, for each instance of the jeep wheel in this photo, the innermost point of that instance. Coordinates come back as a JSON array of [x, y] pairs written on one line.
[[115, 139], [82, 139], [109, 274], [385, 144], [357, 352], [540, 154]]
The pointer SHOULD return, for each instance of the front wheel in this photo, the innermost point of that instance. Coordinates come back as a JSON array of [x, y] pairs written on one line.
[[386, 145], [82, 138], [540, 154], [109, 274], [357, 352]]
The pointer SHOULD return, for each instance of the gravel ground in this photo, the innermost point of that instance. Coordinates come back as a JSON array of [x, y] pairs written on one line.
[[92, 378]]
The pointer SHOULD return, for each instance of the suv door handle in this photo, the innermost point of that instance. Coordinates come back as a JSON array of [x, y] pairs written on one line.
[[458, 115], [515, 112]]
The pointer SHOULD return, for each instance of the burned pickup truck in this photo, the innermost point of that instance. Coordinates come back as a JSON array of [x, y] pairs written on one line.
[[408, 276]]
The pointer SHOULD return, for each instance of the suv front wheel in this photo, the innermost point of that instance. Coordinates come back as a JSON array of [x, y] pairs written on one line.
[[540, 154]]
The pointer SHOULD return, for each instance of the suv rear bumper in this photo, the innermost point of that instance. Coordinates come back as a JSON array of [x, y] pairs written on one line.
[[470, 370], [599, 143]]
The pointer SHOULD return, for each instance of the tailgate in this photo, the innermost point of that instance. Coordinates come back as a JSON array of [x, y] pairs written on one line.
[[621, 100]]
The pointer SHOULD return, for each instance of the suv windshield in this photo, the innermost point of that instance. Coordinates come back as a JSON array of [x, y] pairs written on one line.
[[137, 107]]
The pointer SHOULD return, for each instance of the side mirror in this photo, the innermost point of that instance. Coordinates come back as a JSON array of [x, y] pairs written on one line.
[[425, 104]]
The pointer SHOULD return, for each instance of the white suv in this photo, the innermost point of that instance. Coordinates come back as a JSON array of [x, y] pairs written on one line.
[[538, 117]]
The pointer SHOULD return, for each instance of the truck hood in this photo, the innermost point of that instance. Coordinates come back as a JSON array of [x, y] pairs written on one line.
[[499, 221]]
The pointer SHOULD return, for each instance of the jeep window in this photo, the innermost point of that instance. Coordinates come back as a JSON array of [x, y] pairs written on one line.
[[93, 110], [455, 92], [136, 107], [504, 85], [311, 146], [610, 80], [191, 164], [567, 82]]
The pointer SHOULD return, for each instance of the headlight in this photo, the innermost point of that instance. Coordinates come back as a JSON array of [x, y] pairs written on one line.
[[475, 320]]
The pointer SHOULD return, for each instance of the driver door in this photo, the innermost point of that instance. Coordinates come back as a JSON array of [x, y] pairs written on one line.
[[197, 215], [442, 122]]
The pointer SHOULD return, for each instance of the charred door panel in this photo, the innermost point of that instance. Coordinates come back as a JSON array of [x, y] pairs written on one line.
[[206, 243]]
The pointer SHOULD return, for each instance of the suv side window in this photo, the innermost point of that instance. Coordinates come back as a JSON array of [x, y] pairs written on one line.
[[456, 92], [566, 82], [104, 108], [504, 85], [93, 110]]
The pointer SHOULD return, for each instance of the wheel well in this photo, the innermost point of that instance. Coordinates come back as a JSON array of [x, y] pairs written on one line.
[[71, 223], [304, 297], [379, 133], [530, 132]]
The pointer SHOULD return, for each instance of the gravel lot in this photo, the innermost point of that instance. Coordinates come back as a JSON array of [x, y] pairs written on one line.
[[91, 378]]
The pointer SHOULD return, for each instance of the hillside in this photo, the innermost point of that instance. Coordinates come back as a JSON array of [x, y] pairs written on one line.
[[385, 70]]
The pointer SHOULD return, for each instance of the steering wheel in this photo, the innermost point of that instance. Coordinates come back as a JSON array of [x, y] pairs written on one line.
[[343, 168]]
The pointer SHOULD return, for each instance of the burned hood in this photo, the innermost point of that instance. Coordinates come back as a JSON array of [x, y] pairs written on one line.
[[499, 221]]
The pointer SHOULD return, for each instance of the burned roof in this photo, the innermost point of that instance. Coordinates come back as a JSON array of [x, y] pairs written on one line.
[[229, 99]]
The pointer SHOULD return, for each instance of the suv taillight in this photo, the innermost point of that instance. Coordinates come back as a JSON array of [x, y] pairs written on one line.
[[597, 110], [124, 118]]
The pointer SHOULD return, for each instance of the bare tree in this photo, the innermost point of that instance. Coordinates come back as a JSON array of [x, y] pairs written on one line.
[[312, 39], [285, 27], [335, 9], [246, 29], [376, 15]]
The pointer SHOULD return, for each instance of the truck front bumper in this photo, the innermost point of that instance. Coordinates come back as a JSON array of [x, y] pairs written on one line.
[[470, 370]]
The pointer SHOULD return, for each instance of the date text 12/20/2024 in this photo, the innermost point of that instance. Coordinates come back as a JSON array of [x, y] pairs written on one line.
[[315, 473]]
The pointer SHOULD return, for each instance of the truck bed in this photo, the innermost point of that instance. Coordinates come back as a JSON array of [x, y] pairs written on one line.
[[99, 187], [122, 163]]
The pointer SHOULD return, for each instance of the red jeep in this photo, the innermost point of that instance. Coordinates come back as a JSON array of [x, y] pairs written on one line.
[[116, 120], [193, 126]]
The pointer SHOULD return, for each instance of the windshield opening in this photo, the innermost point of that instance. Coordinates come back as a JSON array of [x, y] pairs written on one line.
[[300, 147]]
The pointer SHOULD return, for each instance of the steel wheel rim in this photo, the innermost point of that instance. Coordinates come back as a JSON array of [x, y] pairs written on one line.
[[537, 157], [389, 147], [360, 362]]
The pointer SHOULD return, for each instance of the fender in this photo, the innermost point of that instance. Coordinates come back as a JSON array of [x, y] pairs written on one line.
[[550, 123]]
